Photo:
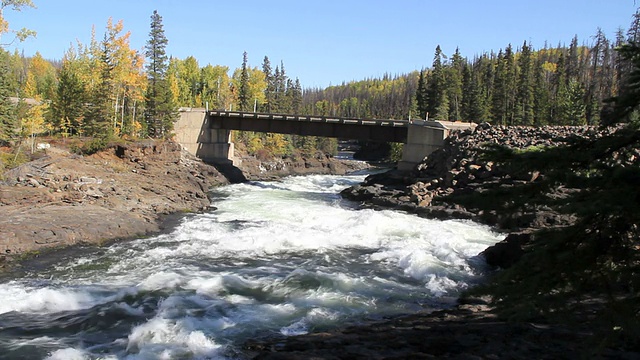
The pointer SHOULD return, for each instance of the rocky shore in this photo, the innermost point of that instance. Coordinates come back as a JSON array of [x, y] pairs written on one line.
[[127, 190], [471, 330]]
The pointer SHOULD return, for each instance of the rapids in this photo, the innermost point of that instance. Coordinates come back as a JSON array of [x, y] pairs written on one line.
[[271, 259]]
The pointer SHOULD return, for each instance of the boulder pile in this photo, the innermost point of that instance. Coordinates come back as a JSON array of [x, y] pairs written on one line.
[[457, 168]]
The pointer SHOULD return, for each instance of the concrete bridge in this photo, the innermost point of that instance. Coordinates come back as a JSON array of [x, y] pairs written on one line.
[[207, 134]]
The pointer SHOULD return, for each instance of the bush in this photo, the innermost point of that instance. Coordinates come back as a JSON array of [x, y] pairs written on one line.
[[90, 147]]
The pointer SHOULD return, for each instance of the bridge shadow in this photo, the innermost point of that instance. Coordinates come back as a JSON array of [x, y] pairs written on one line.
[[230, 172]]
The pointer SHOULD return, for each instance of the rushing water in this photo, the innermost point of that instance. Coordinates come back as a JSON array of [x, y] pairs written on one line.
[[285, 257]]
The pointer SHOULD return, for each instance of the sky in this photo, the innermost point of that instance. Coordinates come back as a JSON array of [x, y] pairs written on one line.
[[324, 42]]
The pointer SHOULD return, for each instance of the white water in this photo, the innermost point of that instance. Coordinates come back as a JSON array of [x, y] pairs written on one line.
[[281, 258]]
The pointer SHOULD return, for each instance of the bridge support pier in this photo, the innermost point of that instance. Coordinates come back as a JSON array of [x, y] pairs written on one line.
[[194, 132], [425, 137], [422, 140]]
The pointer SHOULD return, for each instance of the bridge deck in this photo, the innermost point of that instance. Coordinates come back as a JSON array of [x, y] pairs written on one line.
[[348, 128]]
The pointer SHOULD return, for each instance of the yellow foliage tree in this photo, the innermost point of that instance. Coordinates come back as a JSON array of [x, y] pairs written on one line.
[[257, 85], [33, 123], [15, 5]]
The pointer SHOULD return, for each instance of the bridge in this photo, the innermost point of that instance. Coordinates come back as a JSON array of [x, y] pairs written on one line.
[[207, 134]]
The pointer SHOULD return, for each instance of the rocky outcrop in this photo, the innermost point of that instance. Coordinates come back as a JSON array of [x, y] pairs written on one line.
[[457, 169], [271, 169], [63, 199], [127, 190]]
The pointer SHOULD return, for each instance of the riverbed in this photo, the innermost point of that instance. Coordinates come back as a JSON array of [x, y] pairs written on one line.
[[271, 259]]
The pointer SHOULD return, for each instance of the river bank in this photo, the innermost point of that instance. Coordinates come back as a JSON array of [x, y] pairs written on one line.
[[128, 190], [461, 181]]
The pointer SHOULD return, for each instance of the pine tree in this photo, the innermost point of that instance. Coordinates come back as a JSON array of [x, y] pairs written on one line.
[[243, 91], [161, 111]]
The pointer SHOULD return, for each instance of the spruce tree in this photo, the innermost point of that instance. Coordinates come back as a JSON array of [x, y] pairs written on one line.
[[7, 109], [243, 91], [524, 94], [68, 105], [454, 83], [438, 103], [269, 91], [99, 113], [161, 111], [499, 104], [422, 95]]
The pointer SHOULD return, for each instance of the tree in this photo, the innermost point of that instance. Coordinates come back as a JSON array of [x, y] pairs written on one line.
[[243, 86], [524, 93], [15, 5], [44, 76], [69, 100], [269, 91], [628, 99], [422, 105], [189, 82], [454, 82], [160, 112], [8, 118], [99, 115], [438, 103], [214, 81]]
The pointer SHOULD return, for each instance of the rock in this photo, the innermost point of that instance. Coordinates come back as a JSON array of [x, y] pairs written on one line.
[[507, 252]]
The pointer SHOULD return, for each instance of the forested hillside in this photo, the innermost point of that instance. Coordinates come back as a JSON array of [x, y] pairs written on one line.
[[562, 85], [107, 89]]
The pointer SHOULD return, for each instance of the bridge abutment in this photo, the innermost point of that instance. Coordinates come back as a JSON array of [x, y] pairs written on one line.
[[202, 139], [423, 138]]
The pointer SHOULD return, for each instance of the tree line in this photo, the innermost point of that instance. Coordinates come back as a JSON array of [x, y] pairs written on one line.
[[562, 85], [106, 88]]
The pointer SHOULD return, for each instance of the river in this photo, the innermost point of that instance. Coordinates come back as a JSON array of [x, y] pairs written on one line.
[[273, 258]]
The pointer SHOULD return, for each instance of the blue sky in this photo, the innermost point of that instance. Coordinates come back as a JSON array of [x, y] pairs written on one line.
[[329, 41]]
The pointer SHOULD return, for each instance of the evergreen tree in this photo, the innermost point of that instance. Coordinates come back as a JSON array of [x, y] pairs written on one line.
[[438, 103], [422, 105], [161, 111], [69, 100], [501, 88], [269, 91], [454, 82], [572, 68], [243, 90], [8, 117], [628, 99], [99, 112], [524, 96], [296, 97], [541, 97]]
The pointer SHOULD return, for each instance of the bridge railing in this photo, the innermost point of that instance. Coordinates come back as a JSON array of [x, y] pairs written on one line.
[[311, 118]]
